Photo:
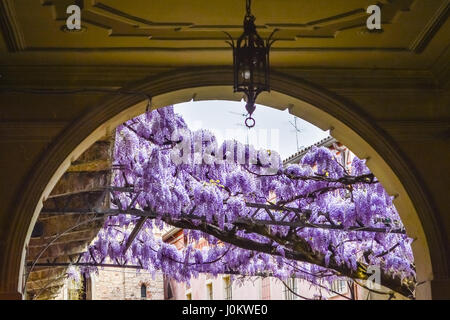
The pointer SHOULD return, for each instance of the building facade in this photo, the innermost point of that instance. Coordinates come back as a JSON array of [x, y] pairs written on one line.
[[226, 287]]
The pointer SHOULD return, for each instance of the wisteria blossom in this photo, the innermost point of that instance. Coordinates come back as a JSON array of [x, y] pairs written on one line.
[[315, 220]]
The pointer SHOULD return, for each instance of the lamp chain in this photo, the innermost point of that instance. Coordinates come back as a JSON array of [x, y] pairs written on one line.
[[249, 7]]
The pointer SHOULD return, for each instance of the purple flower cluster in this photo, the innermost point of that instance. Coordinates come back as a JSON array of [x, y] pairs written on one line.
[[218, 194]]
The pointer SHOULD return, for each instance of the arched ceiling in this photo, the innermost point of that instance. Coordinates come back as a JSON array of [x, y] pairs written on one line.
[[148, 36]]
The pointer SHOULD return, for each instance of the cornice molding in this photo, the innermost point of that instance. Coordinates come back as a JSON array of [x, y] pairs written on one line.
[[119, 76], [441, 68], [356, 79], [10, 27], [16, 132], [418, 131], [66, 76], [431, 28]]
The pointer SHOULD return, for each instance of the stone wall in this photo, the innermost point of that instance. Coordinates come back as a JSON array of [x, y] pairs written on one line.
[[125, 284], [63, 234], [115, 284]]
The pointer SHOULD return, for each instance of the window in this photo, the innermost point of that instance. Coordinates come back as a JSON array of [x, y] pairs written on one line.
[[209, 291], [339, 286], [87, 288], [168, 292], [290, 289], [228, 288], [144, 291]]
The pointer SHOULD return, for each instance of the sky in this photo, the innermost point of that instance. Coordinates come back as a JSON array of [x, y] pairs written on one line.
[[274, 130]]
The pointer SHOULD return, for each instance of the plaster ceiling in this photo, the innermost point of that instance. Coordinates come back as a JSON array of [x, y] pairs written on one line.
[[312, 34]]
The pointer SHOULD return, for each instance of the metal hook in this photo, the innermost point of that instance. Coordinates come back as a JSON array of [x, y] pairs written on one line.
[[250, 122]]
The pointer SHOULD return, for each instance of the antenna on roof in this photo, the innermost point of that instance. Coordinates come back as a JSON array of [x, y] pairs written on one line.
[[297, 130]]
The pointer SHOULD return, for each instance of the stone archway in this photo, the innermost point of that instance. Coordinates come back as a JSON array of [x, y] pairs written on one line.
[[314, 104]]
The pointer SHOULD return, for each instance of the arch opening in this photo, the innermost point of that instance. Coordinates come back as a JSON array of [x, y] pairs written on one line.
[[315, 106]]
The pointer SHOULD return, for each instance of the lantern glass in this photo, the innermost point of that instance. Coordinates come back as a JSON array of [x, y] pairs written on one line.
[[246, 74], [251, 68]]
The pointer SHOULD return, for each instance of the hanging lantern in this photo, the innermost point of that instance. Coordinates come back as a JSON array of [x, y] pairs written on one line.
[[251, 64]]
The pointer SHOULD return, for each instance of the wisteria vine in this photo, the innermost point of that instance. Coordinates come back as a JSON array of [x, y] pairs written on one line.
[[317, 220]]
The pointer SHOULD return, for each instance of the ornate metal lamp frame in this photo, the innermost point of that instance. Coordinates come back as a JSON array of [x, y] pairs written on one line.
[[251, 63]]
